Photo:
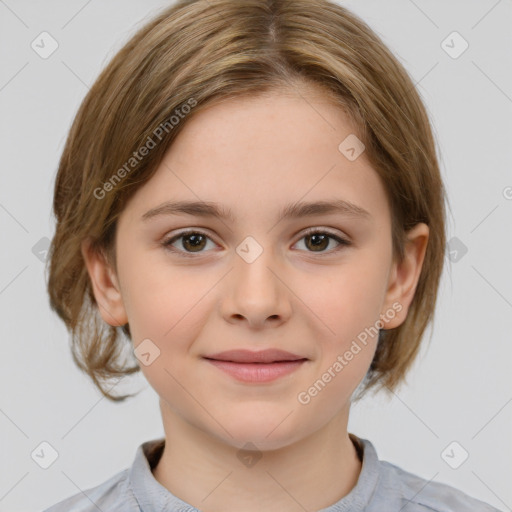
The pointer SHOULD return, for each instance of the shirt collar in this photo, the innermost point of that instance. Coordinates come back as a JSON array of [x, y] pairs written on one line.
[[154, 497], [151, 495], [363, 492]]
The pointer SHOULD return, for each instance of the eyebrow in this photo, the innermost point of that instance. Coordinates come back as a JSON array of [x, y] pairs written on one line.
[[291, 211]]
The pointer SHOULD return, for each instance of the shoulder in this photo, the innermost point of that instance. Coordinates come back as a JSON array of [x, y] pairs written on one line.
[[417, 494], [113, 495]]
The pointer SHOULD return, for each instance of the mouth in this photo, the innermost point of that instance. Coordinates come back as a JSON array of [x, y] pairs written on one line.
[[263, 356], [263, 366]]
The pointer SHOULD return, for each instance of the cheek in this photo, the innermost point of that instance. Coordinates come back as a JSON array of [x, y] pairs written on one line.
[[161, 299], [170, 306], [347, 308], [351, 296], [167, 305]]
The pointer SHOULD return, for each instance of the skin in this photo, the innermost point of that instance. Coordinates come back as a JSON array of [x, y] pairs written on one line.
[[256, 155]]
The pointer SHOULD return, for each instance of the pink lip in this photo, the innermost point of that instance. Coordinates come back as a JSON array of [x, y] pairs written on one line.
[[257, 372], [262, 366]]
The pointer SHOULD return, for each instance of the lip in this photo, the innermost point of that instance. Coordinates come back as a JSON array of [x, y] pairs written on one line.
[[269, 355], [263, 366], [257, 372]]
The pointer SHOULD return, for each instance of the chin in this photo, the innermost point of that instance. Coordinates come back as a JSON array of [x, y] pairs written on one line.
[[265, 433]]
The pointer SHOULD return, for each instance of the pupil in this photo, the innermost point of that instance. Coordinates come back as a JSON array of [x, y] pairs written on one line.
[[320, 240], [194, 240]]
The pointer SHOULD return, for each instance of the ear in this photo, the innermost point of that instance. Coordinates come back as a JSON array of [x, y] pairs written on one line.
[[105, 286], [404, 276]]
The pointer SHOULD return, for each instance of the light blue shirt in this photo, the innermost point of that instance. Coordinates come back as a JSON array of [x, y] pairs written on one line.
[[381, 487]]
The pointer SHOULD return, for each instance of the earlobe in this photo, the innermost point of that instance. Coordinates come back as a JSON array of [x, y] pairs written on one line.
[[105, 286], [405, 276]]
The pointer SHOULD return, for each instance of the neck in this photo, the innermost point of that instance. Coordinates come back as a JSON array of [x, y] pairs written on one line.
[[213, 476]]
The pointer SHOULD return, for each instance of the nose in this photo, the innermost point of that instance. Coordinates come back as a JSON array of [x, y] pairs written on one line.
[[256, 293]]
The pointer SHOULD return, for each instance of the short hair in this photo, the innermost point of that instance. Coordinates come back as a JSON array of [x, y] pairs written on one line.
[[196, 53]]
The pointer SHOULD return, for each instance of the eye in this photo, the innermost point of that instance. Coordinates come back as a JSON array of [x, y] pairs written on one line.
[[319, 240], [192, 242]]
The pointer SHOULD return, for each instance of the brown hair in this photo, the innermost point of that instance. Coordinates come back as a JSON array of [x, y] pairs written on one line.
[[191, 55]]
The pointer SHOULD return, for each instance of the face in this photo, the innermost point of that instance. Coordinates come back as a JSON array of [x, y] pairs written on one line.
[[308, 284]]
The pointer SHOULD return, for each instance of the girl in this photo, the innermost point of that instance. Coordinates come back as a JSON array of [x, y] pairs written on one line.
[[250, 194]]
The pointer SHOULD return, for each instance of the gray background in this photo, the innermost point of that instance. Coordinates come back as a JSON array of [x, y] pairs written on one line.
[[460, 387]]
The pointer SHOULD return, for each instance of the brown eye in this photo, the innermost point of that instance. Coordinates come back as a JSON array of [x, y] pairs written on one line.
[[194, 242], [191, 242], [318, 241]]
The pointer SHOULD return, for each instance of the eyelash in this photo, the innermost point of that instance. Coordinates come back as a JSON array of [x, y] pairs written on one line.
[[313, 231]]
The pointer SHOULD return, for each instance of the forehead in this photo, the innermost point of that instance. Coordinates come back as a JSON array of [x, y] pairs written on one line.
[[255, 154]]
